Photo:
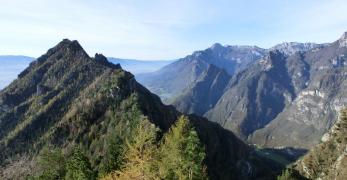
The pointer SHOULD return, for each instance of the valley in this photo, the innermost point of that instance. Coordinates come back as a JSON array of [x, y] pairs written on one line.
[[287, 95]]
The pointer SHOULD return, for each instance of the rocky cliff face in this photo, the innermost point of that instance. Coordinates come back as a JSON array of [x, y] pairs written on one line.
[[171, 80], [313, 110], [255, 96], [290, 97]]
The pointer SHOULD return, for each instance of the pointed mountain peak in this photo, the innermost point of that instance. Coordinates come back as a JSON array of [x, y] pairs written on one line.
[[66, 43], [216, 46], [65, 48], [343, 40]]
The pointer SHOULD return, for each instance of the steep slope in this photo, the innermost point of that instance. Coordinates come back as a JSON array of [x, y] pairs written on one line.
[[282, 95], [286, 100], [66, 98], [258, 79], [172, 79], [255, 96], [10, 67], [203, 94], [315, 108], [328, 159]]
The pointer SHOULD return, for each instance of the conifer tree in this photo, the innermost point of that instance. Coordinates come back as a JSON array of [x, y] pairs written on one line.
[[78, 166], [140, 162], [179, 156], [51, 163], [181, 153]]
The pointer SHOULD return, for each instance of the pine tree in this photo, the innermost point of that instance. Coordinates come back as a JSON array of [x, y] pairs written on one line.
[[179, 156], [78, 166], [140, 162], [181, 153], [113, 156], [51, 163]]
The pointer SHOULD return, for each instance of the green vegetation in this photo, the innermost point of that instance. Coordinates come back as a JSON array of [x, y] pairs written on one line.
[[70, 116], [288, 175], [325, 161], [139, 159], [78, 166], [180, 154], [273, 156], [51, 164]]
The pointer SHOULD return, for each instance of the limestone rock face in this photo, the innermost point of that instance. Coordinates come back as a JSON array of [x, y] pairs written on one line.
[[289, 97], [317, 101]]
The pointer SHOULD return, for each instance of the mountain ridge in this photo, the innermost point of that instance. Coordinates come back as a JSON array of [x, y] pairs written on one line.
[[261, 97], [66, 98]]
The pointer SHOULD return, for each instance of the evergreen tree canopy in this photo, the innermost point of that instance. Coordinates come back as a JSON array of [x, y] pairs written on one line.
[[140, 162], [78, 166], [182, 153]]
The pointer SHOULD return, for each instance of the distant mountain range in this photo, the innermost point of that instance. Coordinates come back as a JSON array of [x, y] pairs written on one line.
[[170, 81], [288, 95]]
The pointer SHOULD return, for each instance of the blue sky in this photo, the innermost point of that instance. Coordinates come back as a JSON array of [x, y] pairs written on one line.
[[165, 29]]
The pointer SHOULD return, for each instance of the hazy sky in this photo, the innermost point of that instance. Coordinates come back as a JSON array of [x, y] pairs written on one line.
[[165, 29]]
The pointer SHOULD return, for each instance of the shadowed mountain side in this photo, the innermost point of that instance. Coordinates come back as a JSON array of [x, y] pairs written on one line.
[[202, 95]]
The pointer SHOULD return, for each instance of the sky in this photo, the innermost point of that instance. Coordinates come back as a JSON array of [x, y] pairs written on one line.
[[165, 29]]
